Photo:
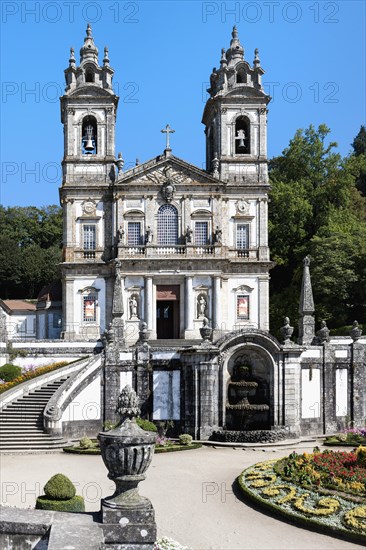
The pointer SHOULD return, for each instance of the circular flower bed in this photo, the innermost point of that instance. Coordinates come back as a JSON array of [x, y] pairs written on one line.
[[250, 436], [324, 490]]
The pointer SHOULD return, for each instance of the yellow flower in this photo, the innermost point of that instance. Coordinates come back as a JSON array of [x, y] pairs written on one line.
[[356, 518]]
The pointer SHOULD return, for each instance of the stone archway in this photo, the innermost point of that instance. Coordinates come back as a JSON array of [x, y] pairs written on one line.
[[255, 394]]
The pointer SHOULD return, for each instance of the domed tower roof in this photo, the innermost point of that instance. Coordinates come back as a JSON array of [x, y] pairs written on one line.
[[89, 51], [236, 50]]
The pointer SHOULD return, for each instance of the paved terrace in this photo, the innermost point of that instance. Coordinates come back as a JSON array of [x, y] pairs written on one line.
[[191, 492]]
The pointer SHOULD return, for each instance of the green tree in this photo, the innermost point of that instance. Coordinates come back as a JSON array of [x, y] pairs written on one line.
[[315, 207], [30, 249]]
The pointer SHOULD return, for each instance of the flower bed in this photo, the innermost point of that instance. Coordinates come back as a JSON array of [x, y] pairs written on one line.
[[351, 437], [163, 445], [31, 373], [277, 485]]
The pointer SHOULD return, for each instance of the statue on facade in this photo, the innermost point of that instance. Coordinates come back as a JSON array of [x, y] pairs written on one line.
[[189, 234], [217, 235], [215, 163], [148, 235], [133, 306], [120, 234], [201, 306]]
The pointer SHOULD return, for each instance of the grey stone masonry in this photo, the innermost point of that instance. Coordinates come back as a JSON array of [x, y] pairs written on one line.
[[306, 307]]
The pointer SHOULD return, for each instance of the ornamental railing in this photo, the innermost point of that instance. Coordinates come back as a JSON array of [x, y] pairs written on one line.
[[173, 250]]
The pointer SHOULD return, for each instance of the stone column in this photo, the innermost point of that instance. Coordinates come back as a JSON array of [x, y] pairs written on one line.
[[69, 321], [209, 397], [263, 303], [357, 374], [189, 303], [149, 302], [216, 302]]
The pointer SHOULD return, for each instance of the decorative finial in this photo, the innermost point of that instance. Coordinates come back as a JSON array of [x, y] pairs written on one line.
[[72, 61], [128, 403], [89, 31], [356, 331], [236, 50], [286, 330], [137, 162], [257, 61], [106, 58], [167, 131], [323, 333], [120, 162]]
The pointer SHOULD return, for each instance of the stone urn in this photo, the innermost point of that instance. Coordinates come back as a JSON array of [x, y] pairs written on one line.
[[356, 331], [206, 330], [144, 333], [127, 451]]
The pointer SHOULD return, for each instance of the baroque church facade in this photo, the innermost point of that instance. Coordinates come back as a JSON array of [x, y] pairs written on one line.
[[169, 265], [191, 244]]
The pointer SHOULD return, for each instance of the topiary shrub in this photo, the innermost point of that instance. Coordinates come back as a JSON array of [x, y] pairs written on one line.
[[185, 439], [74, 504], [146, 425], [60, 496], [86, 443], [9, 372], [59, 487]]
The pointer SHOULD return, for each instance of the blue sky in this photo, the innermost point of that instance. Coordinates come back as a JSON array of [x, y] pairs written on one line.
[[163, 53]]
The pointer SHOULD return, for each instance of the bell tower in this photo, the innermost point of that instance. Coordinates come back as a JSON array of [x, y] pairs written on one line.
[[235, 117], [88, 113]]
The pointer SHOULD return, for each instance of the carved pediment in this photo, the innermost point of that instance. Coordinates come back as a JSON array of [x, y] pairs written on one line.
[[166, 174]]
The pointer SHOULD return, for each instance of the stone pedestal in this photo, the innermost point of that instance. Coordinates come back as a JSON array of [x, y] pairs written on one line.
[[134, 529]]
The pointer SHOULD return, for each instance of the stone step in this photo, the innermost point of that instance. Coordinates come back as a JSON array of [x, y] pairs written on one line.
[[21, 422], [173, 343]]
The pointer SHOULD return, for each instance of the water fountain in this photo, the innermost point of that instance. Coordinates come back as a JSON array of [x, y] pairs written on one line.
[[239, 410]]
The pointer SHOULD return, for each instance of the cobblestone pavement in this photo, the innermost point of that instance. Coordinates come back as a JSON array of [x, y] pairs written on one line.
[[191, 491]]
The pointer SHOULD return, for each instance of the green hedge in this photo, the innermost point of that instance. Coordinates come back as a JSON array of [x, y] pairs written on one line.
[[146, 425], [9, 372], [82, 451], [173, 448], [59, 487], [96, 450], [75, 504]]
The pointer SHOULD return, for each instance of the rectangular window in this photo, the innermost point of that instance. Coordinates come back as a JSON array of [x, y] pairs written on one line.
[[242, 307], [201, 233], [89, 237], [134, 233], [242, 236], [89, 309]]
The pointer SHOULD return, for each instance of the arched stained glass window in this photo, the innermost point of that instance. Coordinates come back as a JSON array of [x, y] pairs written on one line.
[[167, 225]]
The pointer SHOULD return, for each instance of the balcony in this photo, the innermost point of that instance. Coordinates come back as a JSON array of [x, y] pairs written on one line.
[[186, 251]]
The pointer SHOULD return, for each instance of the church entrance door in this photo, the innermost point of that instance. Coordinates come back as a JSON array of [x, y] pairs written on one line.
[[167, 312]]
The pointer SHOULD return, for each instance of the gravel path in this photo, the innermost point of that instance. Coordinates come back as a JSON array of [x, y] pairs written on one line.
[[191, 493]]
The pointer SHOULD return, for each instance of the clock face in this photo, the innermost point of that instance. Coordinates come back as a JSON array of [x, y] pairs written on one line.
[[89, 207]]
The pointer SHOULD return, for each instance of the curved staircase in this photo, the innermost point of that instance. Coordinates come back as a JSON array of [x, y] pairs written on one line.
[[21, 422]]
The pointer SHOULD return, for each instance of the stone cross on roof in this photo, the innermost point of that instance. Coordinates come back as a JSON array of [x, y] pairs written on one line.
[[167, 131]]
